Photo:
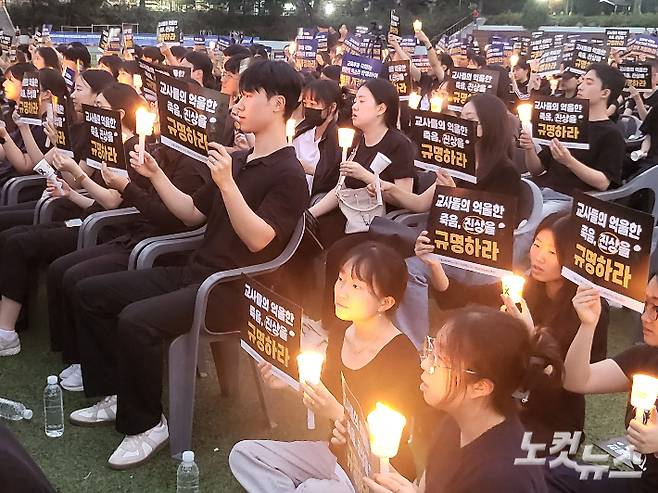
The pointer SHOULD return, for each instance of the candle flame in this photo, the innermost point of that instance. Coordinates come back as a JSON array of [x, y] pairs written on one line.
[[345, 137], [418, 25], [144, 121], [513, 287], [414, 100], [385, 426], [525, 112], [310, 366], [644, 392]]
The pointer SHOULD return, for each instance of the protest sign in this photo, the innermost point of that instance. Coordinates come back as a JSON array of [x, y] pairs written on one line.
[[61, 122], [148, 71], [422, 63], [473, 230], [169, 33], [394, 25], [224, 42], [357, 69], [464, 82], [305, 55], [110, 42], [69, 78], [408, 44], [609, 247], [199, 42], [400, 76], [584, 54], [28, 105], [637, 75], [549, 63], [5, 42], [564, 119], [644, 46], [184, 109], [444, 142], [496, 54], [322, 39], [539, 45], [105, 138], [617, 38], [360, 462], [128, 40], [273, 330]]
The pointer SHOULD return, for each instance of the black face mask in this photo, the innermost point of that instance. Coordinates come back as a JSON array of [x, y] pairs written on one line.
[[313, 117]]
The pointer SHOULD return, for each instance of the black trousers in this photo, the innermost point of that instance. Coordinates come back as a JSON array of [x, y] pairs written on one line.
[[17, 215], [124, 318], [24, 248], [63, 274]]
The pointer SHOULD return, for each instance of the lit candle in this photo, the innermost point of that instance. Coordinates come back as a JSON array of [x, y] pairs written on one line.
[[212, 45], [554, 84], [643, 395], [414, 100], [290, 129], [436, 104], [525, 115], [418, 26], [292, 47], [339, 50], [144, 121], [513, 60], [310, 369], [385, 427], [137, 82], [513, 287], [78, 65], [345, 139]]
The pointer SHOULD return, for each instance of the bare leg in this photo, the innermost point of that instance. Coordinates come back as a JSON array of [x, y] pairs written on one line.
[[9, 312]]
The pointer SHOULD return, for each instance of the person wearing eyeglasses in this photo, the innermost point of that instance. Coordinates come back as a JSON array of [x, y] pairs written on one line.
[[478, 360], [609, 376]]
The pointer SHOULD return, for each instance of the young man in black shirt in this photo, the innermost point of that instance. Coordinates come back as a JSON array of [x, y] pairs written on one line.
[[251, 208], [559, 171]]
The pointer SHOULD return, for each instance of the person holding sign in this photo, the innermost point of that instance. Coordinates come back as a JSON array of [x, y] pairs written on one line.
[[251, 207], [557, 170], [610, 376], [471, 370], [378, 362]]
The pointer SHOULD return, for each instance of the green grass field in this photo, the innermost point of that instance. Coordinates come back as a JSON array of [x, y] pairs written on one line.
[[76, 462]]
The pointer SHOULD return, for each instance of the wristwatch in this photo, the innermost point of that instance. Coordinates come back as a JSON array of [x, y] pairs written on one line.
[[78, 179]]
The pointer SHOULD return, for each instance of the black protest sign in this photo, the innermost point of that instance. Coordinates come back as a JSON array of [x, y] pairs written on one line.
[[322, 39], [609, 247], [28, 106], [585, 54], [464, 82], [305, 56], [564, 119], [400, 76], [128, 40], [105, 138], [496, 54], [169, 32], [184, 109], [408, 44], [539, 45], [356, 70], [61, 122], [104, 41], [394, 25], [353, 45], [273, 330], [444, 142], [637, 75], [422, 63], [473, 230], [359, 457], [5, 42], [199, 42], [148, 72], [69, 78], [644, 46], [549, 63], [617, 38]]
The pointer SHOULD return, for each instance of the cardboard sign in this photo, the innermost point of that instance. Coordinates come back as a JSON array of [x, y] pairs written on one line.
[[585, 54], [444, 142], [637, 75], [473, 230], [465, 82], [105, 138], [28, 106], [549, 63], [357, 69], [609, 248], [617, 38], [61, 121], [127, 38], [305, 55], [644, 46], [564, 119], [69, 78], [184, 109], [273, 331], [400, 76], [169, 33], [360, 462]]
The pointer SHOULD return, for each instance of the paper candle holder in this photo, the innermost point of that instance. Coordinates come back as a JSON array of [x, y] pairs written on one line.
[[513, 287]]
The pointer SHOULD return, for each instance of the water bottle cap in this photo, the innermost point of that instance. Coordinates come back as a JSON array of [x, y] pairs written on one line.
[[52, 380], [27, 414], [188, 456]]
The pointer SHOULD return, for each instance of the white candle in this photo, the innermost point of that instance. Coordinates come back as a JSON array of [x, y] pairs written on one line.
[[385, 427], [525, 115], [436, 104], [290, 129], [513, 287], [310, 370], [418, 26], [414, 100], [345, 140], [144, 120]]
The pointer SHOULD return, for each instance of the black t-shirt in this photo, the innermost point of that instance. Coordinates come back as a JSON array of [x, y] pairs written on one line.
[[650, 101], [605, 154], [79, 133], [274, 187], [327, 170], [484, 465], [392, 376], [640, 359], [650, 127], [396, 147]]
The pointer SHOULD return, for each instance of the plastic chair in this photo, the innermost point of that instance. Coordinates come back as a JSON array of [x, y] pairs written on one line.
[[11, 190], [146, 252], [94, 223], [183, 352]]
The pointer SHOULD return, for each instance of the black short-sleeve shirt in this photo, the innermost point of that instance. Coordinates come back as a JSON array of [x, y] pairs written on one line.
[[640, 359], [274, 187], [395, 146], [605, 154]]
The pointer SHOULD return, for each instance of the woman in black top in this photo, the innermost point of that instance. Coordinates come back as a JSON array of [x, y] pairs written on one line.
[[378, 363], [472, 368]]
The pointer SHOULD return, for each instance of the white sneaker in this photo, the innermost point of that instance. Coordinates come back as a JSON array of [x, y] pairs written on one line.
[[134, 450], [73, 382], [69, 371], [10, 344], [103, 412]]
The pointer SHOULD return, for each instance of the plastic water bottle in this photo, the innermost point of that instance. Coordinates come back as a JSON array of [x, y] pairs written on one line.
[[14, 411], [53, 408], [187, 478]]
